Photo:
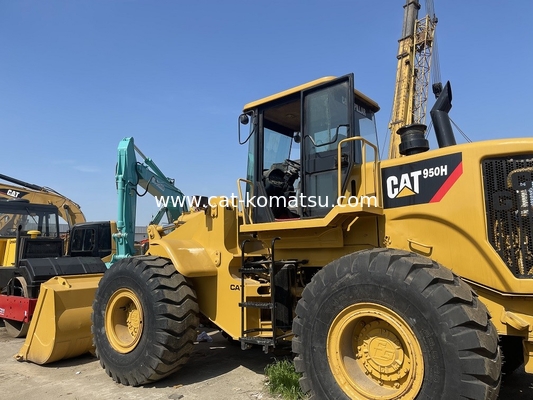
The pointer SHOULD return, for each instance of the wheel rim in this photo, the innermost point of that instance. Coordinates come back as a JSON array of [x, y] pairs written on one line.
[[373, 353], [124, 320]]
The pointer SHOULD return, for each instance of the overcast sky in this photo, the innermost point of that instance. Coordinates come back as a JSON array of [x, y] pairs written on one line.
[[78, 76]]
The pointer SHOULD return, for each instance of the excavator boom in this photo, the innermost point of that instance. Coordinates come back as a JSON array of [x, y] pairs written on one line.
[[130, 174], [17, 189]]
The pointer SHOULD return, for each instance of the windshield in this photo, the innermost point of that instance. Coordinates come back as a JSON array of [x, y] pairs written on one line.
[[277, 148], [46, 222]]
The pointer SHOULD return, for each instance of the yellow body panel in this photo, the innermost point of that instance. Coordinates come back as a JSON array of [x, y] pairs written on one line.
[[214, 258], [190, 259], [205, 250], [7, 252], [453, 231]]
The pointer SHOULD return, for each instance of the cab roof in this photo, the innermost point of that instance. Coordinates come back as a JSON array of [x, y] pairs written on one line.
[[373, 105]]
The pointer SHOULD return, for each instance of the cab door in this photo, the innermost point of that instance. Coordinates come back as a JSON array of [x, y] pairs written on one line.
[[327, 118]]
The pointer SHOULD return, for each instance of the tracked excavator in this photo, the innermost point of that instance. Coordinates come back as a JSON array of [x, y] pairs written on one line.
[[391, 279], [34, 258]]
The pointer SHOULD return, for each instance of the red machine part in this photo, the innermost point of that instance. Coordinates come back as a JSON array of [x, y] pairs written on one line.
[[17, 308]]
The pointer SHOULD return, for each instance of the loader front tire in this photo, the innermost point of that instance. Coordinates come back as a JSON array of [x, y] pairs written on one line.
[[391, 324], [144, 320]]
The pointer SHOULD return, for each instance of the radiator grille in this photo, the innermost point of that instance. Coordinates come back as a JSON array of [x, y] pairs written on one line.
[[509, 210]]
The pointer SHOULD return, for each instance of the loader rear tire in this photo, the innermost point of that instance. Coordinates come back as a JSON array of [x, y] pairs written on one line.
[[391, 324], [144, 319]]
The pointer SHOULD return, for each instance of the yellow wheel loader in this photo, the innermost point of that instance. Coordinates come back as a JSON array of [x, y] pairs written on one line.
[[383, 274], [404, 278], [392, 279], [33, 250]]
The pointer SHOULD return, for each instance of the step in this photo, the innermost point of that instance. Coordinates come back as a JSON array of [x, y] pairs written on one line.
[[257, 340], [256, 262], [256, 304], [288, 262], [254, 270], [246, 342]]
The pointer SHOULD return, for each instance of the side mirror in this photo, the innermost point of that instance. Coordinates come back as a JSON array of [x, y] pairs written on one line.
[[244, 119]]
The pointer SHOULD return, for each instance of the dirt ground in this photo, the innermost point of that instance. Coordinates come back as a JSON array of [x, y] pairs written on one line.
[[217, 370]]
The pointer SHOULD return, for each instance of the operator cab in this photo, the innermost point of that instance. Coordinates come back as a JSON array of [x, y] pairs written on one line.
[[29, 217], [27, 230], [294, 140]]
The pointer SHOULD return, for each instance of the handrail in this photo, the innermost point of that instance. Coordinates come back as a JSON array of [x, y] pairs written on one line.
[[247, 211], [363, 162]]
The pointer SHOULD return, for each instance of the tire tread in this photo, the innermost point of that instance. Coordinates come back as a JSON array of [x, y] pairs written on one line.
[[468, 318], [175, 321]]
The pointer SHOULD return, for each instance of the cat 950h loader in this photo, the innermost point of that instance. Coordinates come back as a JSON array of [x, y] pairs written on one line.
[[404, 278]]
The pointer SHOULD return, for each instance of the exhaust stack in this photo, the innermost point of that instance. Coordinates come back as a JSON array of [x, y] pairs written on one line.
[[413, 140], [441, 119]]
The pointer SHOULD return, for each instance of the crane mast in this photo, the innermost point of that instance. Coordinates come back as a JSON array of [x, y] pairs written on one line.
[[413, 72]]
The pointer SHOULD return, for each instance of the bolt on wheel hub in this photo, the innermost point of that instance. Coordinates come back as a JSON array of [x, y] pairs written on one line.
[[381, 352], [373, 353]]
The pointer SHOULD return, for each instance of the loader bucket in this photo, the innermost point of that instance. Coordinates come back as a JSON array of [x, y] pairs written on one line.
[[61, 324]]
